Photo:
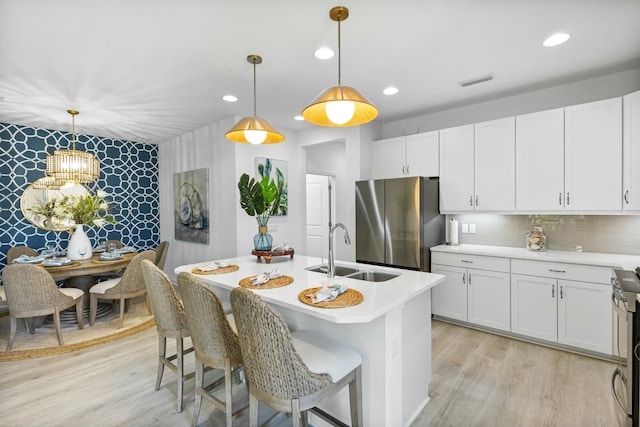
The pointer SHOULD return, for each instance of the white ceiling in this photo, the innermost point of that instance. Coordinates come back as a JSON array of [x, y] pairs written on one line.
[[150, 70]]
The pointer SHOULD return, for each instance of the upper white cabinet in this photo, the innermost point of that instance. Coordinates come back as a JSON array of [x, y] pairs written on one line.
[[412, 155], [457, 169], [495, 165], [477, 167], [631, 152], [540, 161], [593, 156]]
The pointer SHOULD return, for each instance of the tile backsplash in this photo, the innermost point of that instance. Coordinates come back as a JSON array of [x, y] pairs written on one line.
[[619, 234]]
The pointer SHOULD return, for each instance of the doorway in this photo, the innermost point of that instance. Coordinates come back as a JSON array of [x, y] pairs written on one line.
[[320, 213]]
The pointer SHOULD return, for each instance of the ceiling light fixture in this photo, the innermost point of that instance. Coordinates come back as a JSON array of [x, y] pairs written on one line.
[[73, 166], [324, 53], [339, 106], [391, 90], [47, 183], [556, 39], [254, 129], [229, 98]]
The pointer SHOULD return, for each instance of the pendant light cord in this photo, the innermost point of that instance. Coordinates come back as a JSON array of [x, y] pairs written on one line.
[[254, 87], [339, 56], [73, 131]]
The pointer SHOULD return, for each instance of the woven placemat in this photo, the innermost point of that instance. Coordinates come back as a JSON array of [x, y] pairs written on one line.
[[273, 283], [350, 298], [60, 267], [220, 270], [107, 261]]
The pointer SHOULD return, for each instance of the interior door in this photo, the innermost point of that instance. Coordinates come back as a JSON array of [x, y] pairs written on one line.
[[317, 215]]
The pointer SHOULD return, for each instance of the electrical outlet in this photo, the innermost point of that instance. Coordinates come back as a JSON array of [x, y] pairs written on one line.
[[465, 228], [472, 228]]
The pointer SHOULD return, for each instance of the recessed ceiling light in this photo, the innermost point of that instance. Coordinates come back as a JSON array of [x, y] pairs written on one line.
[[229, 98], [390, 90], [556, 39], [298, 118], [324, 53]]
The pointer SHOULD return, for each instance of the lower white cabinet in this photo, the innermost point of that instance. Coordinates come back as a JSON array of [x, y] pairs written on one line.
[[478, 294], [571, 312]]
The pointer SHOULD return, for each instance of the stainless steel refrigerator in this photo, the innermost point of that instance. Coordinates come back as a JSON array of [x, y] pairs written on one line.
[[397, 221]]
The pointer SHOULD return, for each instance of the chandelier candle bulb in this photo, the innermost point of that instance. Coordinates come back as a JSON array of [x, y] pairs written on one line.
[[452, 234]]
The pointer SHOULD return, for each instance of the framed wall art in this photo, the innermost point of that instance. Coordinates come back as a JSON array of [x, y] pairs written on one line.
[[191, 205]]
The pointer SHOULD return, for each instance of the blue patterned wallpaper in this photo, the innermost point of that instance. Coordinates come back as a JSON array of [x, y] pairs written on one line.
[[129, 175]]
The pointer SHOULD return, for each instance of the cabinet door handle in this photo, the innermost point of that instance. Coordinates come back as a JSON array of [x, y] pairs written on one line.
[[568, 199], [561, 297], [560, 199], [553, 291], [466, 261], [471, 200], [626, 197], [464, 278], [476, 200], [403, 168], [469, 279], [557, 271], [408, 170]]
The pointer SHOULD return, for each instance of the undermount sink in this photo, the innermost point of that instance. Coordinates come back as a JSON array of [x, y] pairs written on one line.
[[341, 270], [372, 276]]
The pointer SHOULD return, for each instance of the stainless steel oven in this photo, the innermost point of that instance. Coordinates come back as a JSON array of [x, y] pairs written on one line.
[[625, 382]]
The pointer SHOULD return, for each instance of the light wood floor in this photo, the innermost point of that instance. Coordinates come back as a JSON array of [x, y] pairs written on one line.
[[479, 379]]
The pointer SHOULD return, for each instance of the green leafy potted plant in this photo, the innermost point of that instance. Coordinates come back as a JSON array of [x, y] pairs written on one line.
[[259, 199]]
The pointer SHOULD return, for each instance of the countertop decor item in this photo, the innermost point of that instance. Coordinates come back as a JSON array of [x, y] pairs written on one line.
[[260, 199], [254, 129], [340, 106], [536, 240]]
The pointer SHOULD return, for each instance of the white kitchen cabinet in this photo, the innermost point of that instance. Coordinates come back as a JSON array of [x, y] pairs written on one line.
[[412, 155], [476, 289], [631, 152], [565, 303], [495, 165], [540, 161], [593, 156], [477, 167]]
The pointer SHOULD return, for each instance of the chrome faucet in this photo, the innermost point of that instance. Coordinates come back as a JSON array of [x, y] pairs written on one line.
[[331, 271]]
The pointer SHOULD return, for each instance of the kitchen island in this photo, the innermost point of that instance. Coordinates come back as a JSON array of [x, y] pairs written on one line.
[[391, 328]]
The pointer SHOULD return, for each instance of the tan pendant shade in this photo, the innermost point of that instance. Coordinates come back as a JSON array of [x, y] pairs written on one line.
[[358, 111], [73, 165], [254, 129]]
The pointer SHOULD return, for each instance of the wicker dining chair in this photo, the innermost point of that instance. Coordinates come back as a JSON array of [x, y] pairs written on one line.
[[116, 243], [18, 251], [171, 322], [161, 254], [130, 285], [31, 291], [291, 373], [214, 340]]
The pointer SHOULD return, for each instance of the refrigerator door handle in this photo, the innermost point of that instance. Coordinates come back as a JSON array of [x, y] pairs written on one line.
[[618, 373]]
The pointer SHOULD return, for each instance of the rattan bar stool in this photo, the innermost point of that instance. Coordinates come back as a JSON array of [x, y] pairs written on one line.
[[31, 291], [289, 373], [171, 322], [214, 340]]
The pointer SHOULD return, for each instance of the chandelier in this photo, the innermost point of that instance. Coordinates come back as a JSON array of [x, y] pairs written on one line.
[[73, 165]]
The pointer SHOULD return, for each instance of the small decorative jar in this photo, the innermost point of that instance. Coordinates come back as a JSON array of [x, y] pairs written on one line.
[[536, 240]]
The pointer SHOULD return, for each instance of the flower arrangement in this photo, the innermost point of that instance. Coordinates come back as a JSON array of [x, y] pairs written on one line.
[[48, 210], [87, 209]]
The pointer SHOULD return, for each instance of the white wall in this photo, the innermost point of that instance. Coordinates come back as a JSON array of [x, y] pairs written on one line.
[[609, 86], [203, 148]]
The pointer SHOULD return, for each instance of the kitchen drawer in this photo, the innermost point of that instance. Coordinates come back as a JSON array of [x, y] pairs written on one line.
[[557, 270], [471, 261]]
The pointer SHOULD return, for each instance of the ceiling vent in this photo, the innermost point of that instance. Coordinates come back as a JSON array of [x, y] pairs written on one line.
[[476, 80]]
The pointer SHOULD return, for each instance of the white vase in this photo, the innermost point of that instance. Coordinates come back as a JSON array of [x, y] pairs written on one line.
[[78, 240]]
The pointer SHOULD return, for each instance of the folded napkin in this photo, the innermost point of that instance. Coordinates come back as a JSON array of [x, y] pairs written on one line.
[[281, 247], [263, 278], [208, 267], [108, 257], [56, 262], [328, 293], [26, 259], [224, 263]]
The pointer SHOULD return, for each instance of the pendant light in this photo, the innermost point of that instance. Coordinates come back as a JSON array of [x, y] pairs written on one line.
[[254, 129], [47, 183], [73, 166], [340, 106]]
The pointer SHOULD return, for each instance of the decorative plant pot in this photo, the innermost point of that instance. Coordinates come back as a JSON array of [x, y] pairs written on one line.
[[263, 240], [78, 241]]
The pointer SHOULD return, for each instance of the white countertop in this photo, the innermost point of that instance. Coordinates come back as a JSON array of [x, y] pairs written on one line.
[[625, 262], [379, 298]]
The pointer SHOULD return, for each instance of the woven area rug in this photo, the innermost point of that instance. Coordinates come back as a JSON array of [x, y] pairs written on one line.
[[45, 342]]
